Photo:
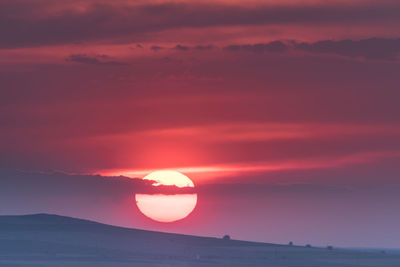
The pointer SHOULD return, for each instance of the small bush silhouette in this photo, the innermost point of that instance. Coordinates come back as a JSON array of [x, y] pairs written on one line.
[[226, 237], [290, 243], [329, 247], [308, 246]]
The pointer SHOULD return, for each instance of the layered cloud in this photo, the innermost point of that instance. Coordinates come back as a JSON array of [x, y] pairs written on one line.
[[209, 106], [374, 48], [93, 60], [54, 23]]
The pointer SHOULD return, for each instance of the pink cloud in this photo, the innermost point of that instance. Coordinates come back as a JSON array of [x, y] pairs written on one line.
[[204, 173]]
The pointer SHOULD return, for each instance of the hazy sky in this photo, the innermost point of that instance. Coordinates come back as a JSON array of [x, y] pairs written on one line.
[[285, 114]]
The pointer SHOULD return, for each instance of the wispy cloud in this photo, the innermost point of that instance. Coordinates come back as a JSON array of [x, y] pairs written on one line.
[[227, 170], [271, 131], [94, 60], [54, 23], [373, 48]]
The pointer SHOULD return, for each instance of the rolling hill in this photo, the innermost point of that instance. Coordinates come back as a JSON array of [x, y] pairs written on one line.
[[52, 240]]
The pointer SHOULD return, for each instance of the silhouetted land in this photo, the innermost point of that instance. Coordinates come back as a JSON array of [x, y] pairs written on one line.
[[51, 240]]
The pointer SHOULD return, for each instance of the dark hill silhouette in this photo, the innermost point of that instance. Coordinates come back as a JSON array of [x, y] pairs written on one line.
[[52, 240]]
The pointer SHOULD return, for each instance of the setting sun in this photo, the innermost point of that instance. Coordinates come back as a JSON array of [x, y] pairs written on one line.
[[200, 133], [163, 207], [168, 177]]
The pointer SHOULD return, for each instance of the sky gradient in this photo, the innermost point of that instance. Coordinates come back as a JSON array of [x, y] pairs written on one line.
[[284, 114]]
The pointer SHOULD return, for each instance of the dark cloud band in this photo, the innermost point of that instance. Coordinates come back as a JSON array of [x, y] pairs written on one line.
[[20, 27]]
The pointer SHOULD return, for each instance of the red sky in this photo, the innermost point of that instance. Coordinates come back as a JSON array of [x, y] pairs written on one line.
[[277, 93]]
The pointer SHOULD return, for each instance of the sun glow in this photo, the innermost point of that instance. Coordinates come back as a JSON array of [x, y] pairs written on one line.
[[167, 208]]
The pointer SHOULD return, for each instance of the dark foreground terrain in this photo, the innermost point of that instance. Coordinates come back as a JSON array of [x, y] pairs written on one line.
[[50, 240]]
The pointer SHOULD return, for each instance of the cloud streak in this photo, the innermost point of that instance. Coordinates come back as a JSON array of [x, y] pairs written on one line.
[[373, 48], [105, 21], [243, 170], [242, 132], [93, 60]]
